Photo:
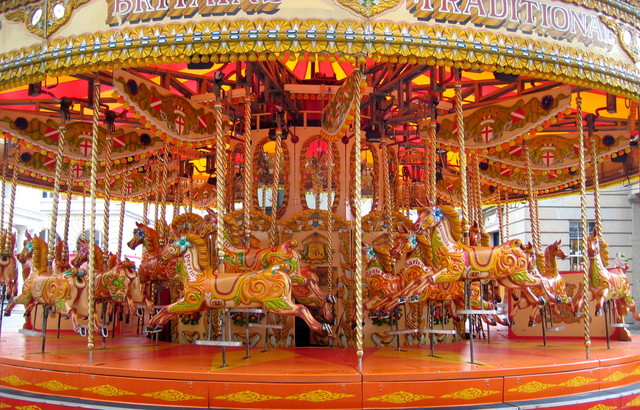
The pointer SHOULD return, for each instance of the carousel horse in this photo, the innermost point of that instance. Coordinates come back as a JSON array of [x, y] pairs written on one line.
[[379, 277], [417, 285], [454, 260], [120, 285], [82, 257], [8, 265], [150, 267], [204, 287], [33, 257], [304, 281], [61, 293], [607, 284], [553, 286]]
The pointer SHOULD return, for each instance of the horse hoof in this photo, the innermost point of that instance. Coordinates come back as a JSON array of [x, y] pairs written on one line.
[[402, 300], [330, 299], [414, 299], [326, 328], [598, 312], [542, 302], [532, 323], [139, 312], [7, 313], [82, 331], [104, 332]]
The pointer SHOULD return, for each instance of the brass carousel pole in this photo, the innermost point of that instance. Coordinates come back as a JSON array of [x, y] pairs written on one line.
[[92, 218], [330, 191], [430, 157], [12, 198], [358, 223], [5, 165], [145, 203], [56, 197], [273, 231], [123, 202], [220, 184], [247, 174], [107, 199], [583, 209]]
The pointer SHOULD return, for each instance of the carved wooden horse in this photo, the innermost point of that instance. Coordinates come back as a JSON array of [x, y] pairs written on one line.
[[150, 267], [417, 284], [381, 280], [608, 284], [453, 260], [305, 283], [204, 287], [100, 264], [553, 286], [8, 265]]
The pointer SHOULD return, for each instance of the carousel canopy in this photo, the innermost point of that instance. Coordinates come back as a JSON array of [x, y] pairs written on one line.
[[162, 66]]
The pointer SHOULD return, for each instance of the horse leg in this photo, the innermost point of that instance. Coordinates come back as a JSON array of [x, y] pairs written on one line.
[[169, 311], [300, 311], [535, 309]]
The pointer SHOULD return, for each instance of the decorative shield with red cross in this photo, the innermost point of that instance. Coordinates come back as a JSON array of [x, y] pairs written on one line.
[[548, 156], [85, 147]]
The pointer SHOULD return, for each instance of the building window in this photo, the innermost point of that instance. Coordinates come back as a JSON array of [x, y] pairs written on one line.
[[575, 243]]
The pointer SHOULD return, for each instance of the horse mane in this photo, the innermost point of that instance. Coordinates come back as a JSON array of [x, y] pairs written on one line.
[[425, 248], [201, 247], [604, 251], [185, 223], [452, 216], [40, 250], [151, 239], [384, 257]]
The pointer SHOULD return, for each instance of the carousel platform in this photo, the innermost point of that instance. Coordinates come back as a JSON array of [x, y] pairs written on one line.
[[135, 372]]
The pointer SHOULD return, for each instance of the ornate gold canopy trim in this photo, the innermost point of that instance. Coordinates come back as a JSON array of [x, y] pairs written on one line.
[[246, 40]]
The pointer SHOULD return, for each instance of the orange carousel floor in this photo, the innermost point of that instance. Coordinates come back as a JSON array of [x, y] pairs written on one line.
[[135, 372]]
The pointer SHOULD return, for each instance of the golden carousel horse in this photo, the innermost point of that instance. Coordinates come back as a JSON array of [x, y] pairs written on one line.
[[204, 287], [380, 279], [33, 257], [304, 281], [417, 286], [553, 286], [454, 260], [8, 265], [607, 284]]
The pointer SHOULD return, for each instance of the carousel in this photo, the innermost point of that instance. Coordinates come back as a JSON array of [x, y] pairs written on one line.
[[313, 180]]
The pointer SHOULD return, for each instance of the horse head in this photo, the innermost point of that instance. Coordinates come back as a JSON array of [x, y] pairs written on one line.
[[621, 262], [139, 236], [428, 218], [555, 250], [593, 247], [405, 242]]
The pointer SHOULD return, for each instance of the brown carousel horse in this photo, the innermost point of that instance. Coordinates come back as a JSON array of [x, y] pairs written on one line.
[[58, 292], [8, 265], [204, 287], [607, 284], [150, 267], [82, 257], [552, 289]]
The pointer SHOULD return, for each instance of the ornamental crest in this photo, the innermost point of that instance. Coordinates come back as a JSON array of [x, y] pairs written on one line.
[[628, 37], [369, 8], [45, 19]]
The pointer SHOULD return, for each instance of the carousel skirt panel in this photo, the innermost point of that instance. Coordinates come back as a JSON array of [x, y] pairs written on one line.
[[135, 372]]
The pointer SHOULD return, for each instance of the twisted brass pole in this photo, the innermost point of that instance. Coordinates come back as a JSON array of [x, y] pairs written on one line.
[[583, 213], [247, 174]]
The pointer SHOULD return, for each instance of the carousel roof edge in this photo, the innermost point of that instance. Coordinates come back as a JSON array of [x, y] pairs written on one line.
[[249, 40]]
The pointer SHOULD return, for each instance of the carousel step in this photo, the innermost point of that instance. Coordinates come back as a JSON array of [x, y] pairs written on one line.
[[439, 331], [29, 332], [279, 327], [220, 343], [477, 312], [401, 332]]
